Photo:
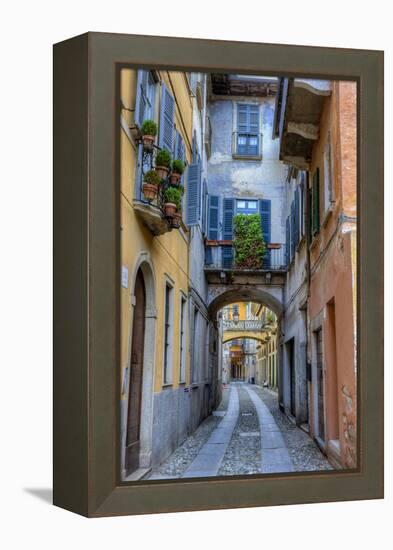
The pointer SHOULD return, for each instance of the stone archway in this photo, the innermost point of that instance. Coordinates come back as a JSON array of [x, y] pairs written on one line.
[[223, 295], [144, 266]]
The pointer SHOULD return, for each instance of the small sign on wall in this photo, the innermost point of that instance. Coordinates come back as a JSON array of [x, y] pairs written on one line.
[[124, 276]]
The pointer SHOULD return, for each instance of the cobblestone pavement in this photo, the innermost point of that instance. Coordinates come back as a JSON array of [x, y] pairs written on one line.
[[243, 454], [304, 452], [179, 461]]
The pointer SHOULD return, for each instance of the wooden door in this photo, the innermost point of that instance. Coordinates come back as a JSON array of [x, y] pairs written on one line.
[[136, 377], [321, 386]]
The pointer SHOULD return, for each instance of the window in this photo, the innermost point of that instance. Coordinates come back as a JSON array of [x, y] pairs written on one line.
[[168, 334], [246, 207], [247, 140], [183, 316], [195, 342]]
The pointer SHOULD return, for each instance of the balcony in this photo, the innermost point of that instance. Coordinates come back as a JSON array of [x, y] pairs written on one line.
[[299, 105], [151, 212], [245, 326], [220, 266], [247, 145]]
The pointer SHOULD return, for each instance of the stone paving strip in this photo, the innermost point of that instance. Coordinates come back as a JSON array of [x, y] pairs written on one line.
[[274, 453], [243, 454], [303, 451], [208, 460]]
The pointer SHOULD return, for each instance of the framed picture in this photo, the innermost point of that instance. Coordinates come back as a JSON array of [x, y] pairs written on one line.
[[218, 260]]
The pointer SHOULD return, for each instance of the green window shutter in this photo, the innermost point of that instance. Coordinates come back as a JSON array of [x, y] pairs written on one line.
[[193, 193], [315, 203], [297, 215], [167, 117], [227, 219], [213, 217]]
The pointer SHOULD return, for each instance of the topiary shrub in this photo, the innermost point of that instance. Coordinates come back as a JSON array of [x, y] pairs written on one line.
[[149, 128], [163, 158], [248, 242], [173, 195], [178, 166], [152, 177]]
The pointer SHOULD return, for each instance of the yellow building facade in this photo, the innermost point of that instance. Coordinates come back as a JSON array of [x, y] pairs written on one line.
[[158, 265]]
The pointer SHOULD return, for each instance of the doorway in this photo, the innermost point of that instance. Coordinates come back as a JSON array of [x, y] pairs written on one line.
[[292, 375], [320, 384], [136, 377]]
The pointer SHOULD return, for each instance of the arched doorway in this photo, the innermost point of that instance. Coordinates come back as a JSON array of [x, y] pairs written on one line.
[[136, 377], [137, 413]]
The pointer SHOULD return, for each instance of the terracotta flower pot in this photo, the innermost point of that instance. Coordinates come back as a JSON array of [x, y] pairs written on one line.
[[176, 220], [175, 178], [150, 191], [148, 142], [162, 171], [170, 209]]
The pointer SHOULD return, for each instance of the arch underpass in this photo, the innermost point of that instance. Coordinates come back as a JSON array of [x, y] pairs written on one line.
[[220, 296], [228, 336]]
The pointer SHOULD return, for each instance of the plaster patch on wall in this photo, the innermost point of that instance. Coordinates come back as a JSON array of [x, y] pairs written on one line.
[[218, 158]]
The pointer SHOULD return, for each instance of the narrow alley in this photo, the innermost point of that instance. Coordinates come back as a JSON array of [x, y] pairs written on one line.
[[247, 434]]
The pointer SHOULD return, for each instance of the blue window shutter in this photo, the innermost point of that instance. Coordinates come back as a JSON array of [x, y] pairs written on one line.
[[204, 206], [227, 256], [193, 193], [142, 80], [287, 241], [227, 219], [208, 255], [167, 117], [213, 217], [265, 211], [292, 229]]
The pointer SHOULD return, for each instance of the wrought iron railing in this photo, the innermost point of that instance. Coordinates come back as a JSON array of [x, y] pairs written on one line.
[[245, 325], [146, 160], [221, 256]]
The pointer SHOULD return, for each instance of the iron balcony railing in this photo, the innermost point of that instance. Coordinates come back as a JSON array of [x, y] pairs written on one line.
[[245, 326], [221, 256]]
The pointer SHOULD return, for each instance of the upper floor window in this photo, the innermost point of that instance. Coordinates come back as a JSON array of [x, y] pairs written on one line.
[[246, 207], [247, 135]]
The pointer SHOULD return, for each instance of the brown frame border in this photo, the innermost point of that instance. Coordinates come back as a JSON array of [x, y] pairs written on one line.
[[86, 296]]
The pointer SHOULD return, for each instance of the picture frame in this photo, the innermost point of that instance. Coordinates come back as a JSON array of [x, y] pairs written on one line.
[[87, 275]]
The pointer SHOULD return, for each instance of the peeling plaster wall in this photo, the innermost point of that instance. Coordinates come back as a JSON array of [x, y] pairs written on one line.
[[238, 178]]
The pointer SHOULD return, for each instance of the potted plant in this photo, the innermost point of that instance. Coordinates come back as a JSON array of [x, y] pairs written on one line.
[[163, 163], [172, 198], [149, 132], [177, 171], [151, 183]]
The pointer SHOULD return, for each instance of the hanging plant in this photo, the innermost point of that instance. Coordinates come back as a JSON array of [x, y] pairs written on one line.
[[248, 242], [149, 132], [151, 183], [163, 163]]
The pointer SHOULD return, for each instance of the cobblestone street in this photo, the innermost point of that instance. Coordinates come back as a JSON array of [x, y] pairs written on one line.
[[248, 434]]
